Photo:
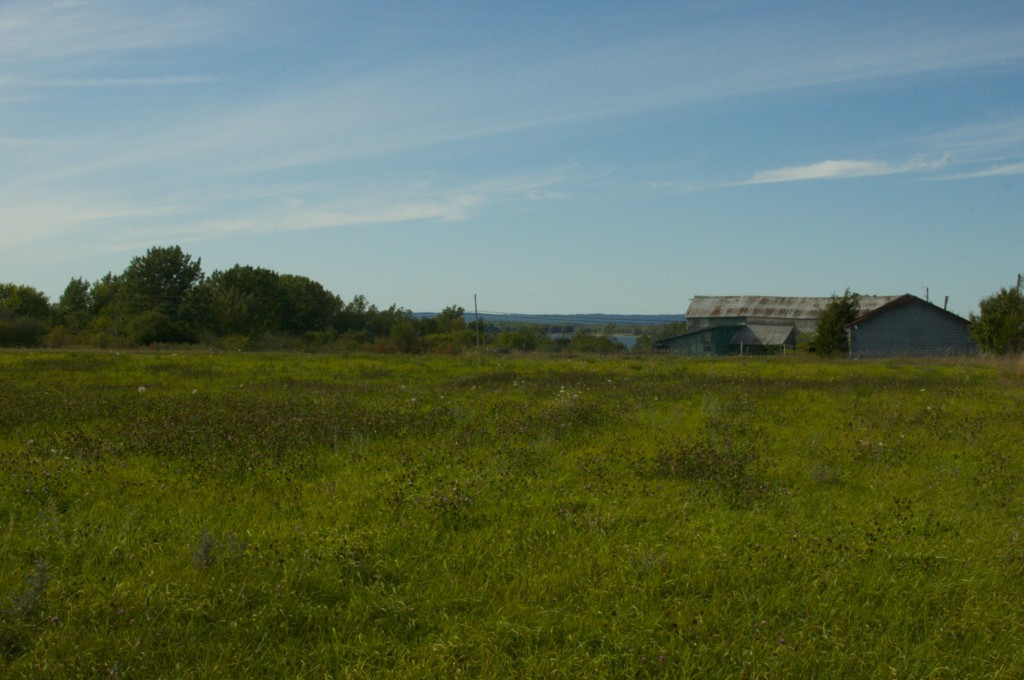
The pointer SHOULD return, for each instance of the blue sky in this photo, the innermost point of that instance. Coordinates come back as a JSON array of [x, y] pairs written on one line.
[[549, 157]]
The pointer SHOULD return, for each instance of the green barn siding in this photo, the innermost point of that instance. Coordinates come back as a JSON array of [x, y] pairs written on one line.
[[916, 328], [710, 341]]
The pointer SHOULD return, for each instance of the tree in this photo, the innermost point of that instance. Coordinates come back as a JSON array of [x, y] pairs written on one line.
[[24, 301], [380, 321], [451, 319], [525, 339], [24, 314], [245, 301], [160, 291], [583, 341], [307, 306], [830, 337], [403, 337], [999, 328], [75, 305]]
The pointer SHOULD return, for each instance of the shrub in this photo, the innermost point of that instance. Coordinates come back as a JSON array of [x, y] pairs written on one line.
[[22, 332]]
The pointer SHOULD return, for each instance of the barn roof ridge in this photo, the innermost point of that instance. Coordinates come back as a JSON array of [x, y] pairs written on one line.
[[899, 301], [791, 307]]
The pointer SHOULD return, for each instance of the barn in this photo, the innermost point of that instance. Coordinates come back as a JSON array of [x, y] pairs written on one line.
[[751, 324], [909, 326]]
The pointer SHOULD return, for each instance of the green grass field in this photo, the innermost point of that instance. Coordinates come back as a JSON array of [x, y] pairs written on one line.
[[249, 515]]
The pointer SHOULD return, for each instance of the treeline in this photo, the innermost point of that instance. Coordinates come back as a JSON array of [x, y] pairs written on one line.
[[164, 297]]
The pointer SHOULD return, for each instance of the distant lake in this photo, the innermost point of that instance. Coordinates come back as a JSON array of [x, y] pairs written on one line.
[[627, 340]]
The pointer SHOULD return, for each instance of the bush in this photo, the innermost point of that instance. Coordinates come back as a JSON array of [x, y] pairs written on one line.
[[22, 332], [1000, 326], [830, 337], [598, 344]]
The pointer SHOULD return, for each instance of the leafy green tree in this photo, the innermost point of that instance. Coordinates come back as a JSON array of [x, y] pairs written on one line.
[[451, 319], [598, 344], [447, 333], [307, 306], [999, 328], [380, 321], [24, 315], [354, 316], [403, 337], [102, 293], [830, 337], [161, 298], [22, 331], [24, 301], [74, 309], [106, 310], [246, 301], [525, 339]]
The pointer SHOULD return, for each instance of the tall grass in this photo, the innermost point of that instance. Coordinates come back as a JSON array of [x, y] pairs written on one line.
[[316, 516]]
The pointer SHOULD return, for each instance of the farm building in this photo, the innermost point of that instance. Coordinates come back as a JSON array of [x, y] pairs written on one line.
[[909, 326], [800, 312], [725, 339], [751, 324], [888, 325]]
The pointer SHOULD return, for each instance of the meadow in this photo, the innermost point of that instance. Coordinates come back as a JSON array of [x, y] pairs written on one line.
[[308, 516]]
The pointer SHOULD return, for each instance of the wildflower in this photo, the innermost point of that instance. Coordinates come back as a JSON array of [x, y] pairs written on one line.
[[141, 389]]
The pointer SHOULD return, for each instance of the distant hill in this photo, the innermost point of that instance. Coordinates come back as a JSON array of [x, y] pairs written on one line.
[[599, 320]]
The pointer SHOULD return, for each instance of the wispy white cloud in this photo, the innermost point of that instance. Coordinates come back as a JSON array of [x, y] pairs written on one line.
[[981, 139], [49, 47], [111, 224], [417, 201], [142, 81], [841, 169], [996, 171], [32, 31]]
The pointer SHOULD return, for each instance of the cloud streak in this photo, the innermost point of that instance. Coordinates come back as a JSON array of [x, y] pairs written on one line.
[[141, 81], [997, 171], [840, 169], [112, 223], [34, 32]]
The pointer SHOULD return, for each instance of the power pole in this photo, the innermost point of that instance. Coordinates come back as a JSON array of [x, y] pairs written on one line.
[[1018, 282], [476, 312]]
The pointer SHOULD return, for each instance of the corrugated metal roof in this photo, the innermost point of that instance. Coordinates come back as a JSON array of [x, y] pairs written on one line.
[[768, 336], [765, 306], [899, 301]]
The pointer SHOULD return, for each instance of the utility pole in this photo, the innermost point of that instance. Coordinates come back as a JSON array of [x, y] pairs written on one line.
[[1018, 282], [476, 312]]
